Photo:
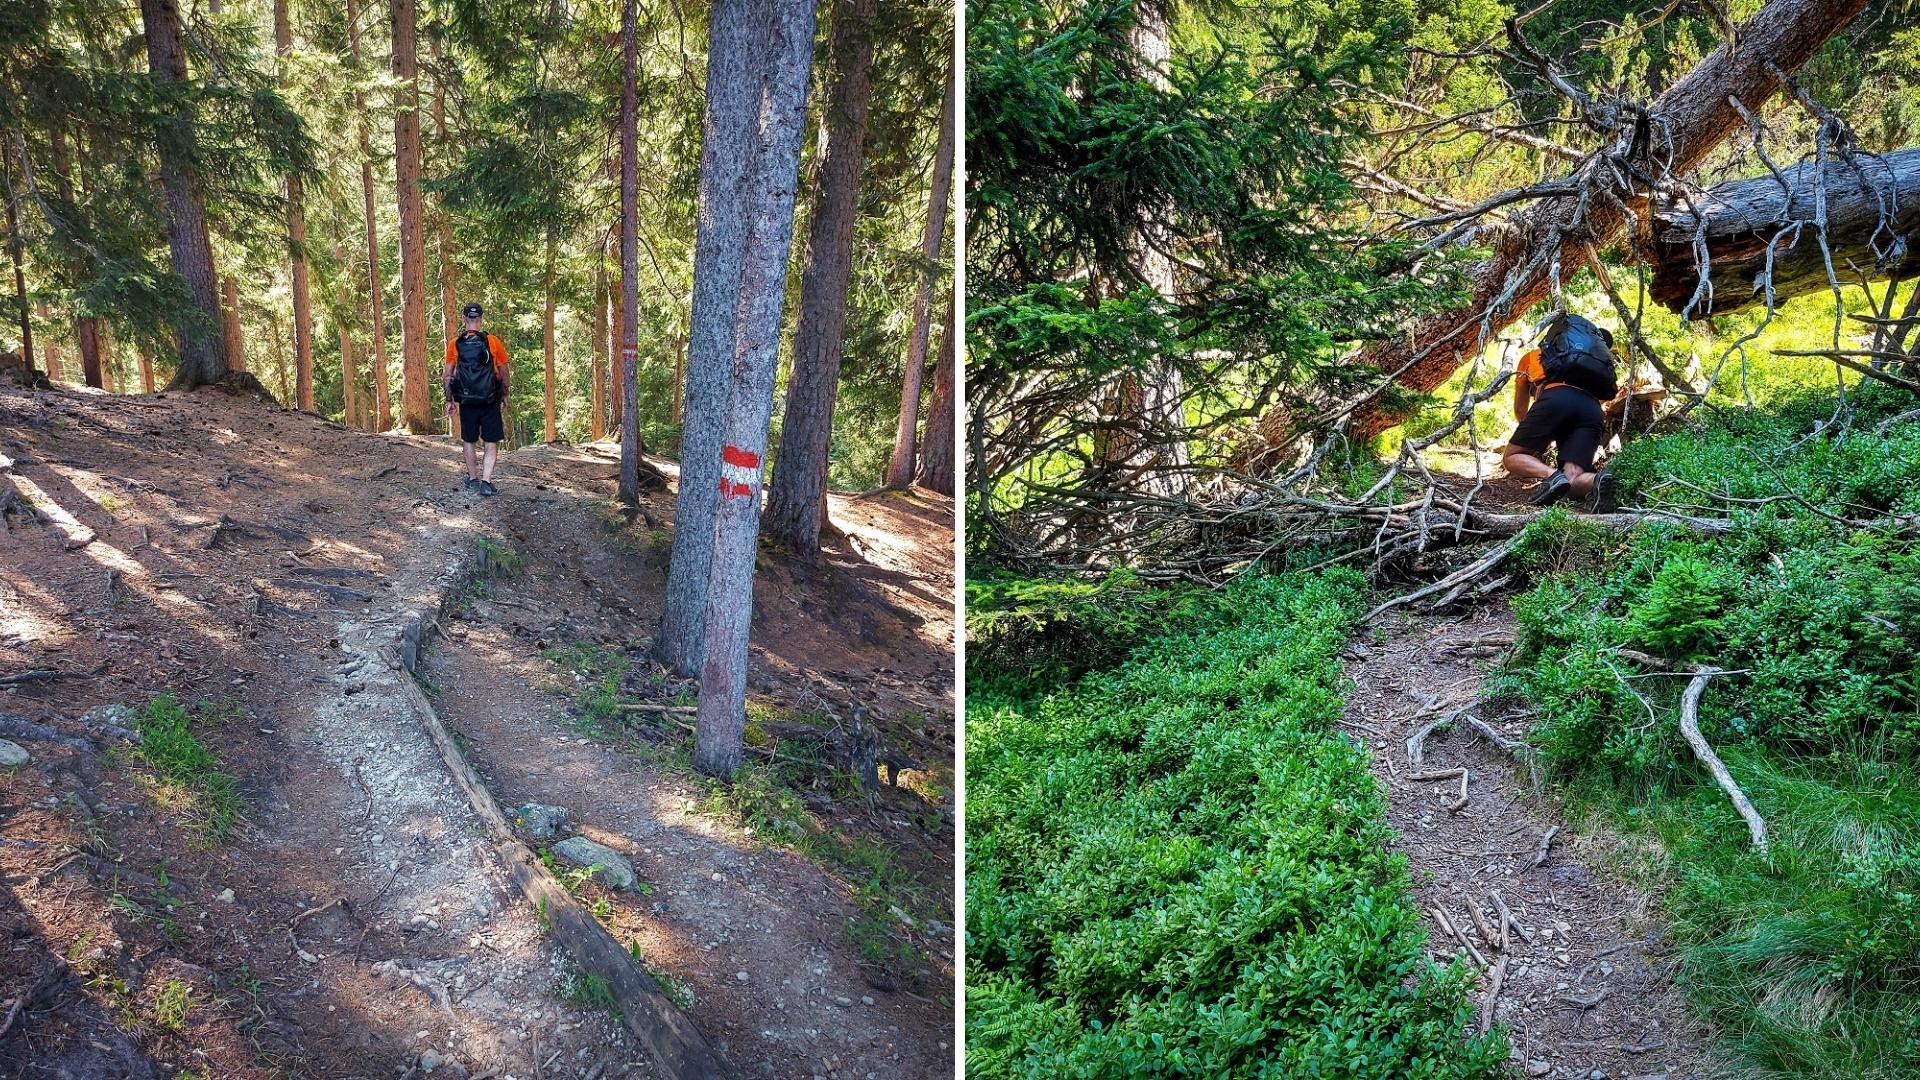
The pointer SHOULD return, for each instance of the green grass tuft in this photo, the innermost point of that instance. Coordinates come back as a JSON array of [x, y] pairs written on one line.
[[168, 744]]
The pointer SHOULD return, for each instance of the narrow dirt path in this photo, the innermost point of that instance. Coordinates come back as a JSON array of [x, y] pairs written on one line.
[[757, 933], [1584, 986], [355, 923]]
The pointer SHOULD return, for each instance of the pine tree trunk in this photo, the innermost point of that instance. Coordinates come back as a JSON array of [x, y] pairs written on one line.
[[19, 274], [234, 337], [415, 398], [449, 269], [280, 364], [755, 347], [936, 445], [547, 335], [796, 500], [616, 393], [376, 292], [92, 367], [1695, 115], [346, 377], [146, 368], [737, 50], [630, 448], [679, 378], [297, 240], [598, 430], [50, 354], [86, 329], [203, 353], [900, 468], [1151, 445]]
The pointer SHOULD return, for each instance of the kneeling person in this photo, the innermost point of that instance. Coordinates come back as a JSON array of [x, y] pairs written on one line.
[[1557, 397], [476, 386]]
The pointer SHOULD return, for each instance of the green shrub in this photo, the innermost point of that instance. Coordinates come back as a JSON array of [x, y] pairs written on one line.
[[1177, 867], [1040, 630], [1805, 959]]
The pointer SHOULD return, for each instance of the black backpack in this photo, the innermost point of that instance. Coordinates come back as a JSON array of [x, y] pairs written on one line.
[[1576, 352], [474, 381]]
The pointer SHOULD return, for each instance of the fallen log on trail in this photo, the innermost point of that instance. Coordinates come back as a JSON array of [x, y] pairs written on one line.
[[1873, 230], [1592, 205]]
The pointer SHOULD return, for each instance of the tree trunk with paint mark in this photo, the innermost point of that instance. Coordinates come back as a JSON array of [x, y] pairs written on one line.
[[768, 202], [737, 44]]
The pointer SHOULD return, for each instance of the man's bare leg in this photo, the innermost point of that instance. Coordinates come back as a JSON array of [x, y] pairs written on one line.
[[1528, 464], [486, 473], [473, 468], [1523, 462]]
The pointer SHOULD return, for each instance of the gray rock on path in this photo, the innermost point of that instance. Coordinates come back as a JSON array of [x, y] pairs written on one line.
[[614, 869], [12, 754], [538, 821], [117, 721]]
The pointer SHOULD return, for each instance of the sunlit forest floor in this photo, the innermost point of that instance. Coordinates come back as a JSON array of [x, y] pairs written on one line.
[[279, 878]]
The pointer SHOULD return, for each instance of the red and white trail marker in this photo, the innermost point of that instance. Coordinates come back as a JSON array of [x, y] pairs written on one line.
[[739, 472]]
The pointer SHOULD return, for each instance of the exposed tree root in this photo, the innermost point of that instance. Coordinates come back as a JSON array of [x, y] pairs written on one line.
[[1690, 727]]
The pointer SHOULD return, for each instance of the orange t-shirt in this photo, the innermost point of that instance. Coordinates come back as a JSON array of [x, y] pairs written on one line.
[[1535, 373], [494, 346]]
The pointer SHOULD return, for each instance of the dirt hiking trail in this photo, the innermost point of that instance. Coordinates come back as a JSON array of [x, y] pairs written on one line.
[[355, 921], [1581, 975]]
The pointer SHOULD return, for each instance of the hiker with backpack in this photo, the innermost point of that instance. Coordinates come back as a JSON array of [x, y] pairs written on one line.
[[476, 386], [1558, 394]]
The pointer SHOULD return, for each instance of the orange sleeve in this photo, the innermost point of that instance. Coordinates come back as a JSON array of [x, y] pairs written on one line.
[[1530, 366], [452, 354], [499, 353]]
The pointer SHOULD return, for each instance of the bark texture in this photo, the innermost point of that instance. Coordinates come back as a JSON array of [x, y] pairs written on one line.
[[796, 500], [900, 467], [736, 58], [86, 329], [203, 352], [1873, 230], [296, 241], [936, 444], [416, 402], [768, 204], [546, 338], [599, 422], [376, 290], [630, 448], [1697, 114], [235, 338]]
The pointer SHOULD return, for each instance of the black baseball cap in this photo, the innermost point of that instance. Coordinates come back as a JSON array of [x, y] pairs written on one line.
[[471, 311]]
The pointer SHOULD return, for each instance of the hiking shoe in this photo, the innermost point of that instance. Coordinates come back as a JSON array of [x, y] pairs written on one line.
[[487, 488], [470, 484], [1552, 491], [1605, 497]]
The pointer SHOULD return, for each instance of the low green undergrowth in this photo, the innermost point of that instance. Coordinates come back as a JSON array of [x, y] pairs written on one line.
[[1806, 959], [1178, 867], [168, 744]]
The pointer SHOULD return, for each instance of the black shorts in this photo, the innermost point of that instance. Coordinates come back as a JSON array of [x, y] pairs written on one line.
[[1568, 418], [481, 423]]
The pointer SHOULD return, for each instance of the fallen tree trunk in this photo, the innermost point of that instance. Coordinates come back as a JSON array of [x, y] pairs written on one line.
[[1695, 115], [1873, 231]]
